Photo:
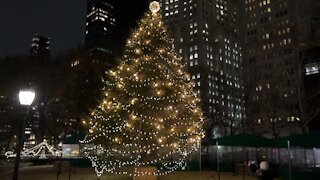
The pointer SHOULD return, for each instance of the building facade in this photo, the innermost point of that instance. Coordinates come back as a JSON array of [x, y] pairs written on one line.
[[40, 46], [108, 23], [272, 34], [8, 137], [311, 79], [101, 37], [206, 35]]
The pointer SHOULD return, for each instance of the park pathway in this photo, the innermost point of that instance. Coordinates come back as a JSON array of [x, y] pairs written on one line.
[[48, 173]]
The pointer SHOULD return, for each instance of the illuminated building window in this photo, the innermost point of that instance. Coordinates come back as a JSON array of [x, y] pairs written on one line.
[[312, 68]]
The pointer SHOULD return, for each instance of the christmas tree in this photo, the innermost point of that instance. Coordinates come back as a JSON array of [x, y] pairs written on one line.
[[149, 113]]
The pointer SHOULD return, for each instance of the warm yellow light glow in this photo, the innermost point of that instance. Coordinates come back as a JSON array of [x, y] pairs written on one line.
[[133, 101], [120, 86], [138, 51], [112, 73], [154, 7], [175, 145], [133, 116]]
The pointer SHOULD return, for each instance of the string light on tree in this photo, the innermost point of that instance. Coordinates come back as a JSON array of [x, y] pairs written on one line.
[[149, 114]]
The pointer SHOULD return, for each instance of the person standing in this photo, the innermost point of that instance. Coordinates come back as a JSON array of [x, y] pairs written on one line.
[[265, 173], [253, 167]]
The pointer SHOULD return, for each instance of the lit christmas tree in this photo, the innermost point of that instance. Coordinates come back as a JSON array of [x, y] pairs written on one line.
[[149, 114]]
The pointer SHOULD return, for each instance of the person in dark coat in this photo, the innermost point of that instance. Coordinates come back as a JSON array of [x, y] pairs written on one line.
[[253, 167]]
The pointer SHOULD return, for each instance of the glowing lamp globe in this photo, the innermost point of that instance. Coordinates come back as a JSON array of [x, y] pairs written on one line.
[[154, 7], [26, 97]]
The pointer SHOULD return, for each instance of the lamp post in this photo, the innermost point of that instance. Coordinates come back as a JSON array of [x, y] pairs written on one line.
[[26, 98]]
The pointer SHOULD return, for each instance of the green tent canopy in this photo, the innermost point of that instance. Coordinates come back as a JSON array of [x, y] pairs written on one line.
[[245, 140], [307, 140]]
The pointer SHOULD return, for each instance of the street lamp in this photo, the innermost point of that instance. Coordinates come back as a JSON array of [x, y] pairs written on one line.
[[26, 98]]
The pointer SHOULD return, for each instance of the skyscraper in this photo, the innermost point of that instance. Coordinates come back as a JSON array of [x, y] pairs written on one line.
[[206, 35], [273, 33], [101, 38], [40, 46], [108, 23]]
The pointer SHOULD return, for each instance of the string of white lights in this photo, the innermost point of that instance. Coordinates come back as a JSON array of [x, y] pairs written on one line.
[[149, 114]]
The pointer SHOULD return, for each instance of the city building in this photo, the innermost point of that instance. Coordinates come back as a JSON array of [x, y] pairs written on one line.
[[102, 38], [311, 79], [40, 46], [11, 118], [206, 35], [273, 33], [6, 124], [108, 23]]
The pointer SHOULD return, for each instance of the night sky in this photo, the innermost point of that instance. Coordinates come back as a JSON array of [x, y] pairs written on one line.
[[61, 20]]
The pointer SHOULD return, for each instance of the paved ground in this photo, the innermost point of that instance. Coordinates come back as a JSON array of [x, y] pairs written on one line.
[[6, 166], [48, 173]]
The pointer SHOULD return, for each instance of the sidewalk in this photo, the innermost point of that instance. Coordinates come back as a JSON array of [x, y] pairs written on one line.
[[48, 173], [8, 166]]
